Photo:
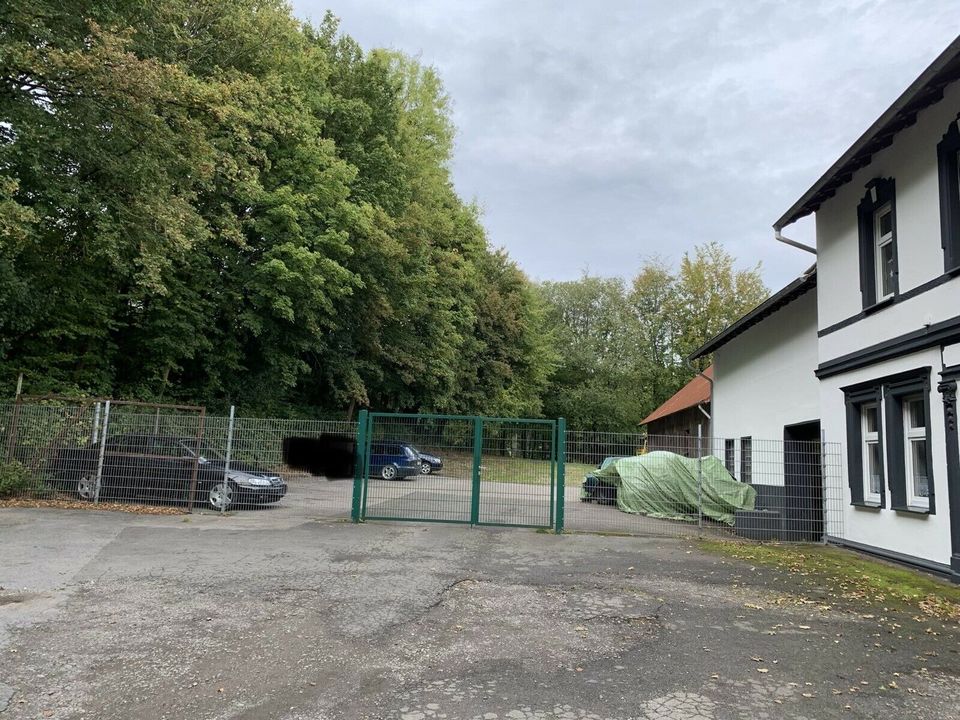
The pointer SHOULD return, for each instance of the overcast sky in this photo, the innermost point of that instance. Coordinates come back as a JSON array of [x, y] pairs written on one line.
[[594, 135]]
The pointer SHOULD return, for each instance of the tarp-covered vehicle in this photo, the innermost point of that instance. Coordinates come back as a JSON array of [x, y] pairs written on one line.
[[664, 485]]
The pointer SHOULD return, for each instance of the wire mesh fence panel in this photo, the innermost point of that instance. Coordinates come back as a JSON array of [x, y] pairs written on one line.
[[145, 453], [518, 468], [788, 490], [419, 468], [39, 438], [257, 451]]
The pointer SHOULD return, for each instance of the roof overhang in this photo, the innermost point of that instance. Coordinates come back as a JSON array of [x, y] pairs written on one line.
[[768, 307], [926, 90]]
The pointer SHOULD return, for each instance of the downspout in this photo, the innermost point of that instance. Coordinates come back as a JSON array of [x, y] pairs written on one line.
[[706, 377], [793, 243]]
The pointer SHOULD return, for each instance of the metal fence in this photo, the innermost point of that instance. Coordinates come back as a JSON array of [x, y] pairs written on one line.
[[470, 470]]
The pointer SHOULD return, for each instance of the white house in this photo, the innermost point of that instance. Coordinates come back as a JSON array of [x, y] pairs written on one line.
[[881, 371]]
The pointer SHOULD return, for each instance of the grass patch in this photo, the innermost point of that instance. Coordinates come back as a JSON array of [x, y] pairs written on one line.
[[500, 469], [851, 576]]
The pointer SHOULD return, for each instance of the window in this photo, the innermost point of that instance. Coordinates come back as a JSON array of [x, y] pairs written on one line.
[[948, 161], [888, 442], [884, 260], [746, 459], [729, 456], [877, 219], [915, 435], [872, 456], [909, 457]]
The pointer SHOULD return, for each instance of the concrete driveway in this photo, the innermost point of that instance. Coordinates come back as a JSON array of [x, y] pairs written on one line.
[[264, 615]]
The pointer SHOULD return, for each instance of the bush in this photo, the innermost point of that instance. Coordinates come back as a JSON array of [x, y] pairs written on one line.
[[16, 480]]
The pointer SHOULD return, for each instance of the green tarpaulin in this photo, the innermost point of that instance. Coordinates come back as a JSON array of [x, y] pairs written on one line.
[[664, 485]]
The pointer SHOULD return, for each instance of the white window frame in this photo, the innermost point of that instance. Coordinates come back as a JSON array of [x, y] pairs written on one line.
[[868, 438], [910, 435], [880, 242]]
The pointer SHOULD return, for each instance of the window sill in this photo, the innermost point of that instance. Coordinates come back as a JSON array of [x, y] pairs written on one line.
[[918, 510], [880, 305], [868, 505]]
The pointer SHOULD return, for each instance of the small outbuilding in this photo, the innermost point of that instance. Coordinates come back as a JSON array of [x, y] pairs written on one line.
[[674, 425]]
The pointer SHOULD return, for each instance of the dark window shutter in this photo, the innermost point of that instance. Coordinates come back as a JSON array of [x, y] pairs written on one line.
[[949, 197], [854, 454], [868, 276], [896, 468]]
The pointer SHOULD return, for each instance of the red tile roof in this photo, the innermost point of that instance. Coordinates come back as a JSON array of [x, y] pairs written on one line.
[[690, 395]]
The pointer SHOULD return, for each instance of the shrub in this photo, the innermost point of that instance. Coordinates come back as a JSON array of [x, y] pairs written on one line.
[[16, 480]]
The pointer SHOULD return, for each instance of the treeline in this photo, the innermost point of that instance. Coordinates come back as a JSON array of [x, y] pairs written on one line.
[[622, 346], [212, 202]]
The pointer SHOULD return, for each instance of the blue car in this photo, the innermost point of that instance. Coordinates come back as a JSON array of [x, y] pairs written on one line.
[[393, 460]]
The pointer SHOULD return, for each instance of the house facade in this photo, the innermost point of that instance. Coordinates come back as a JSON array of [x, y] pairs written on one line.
[[885, 358]]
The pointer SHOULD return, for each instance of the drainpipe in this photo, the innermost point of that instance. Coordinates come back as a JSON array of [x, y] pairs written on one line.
[[793, 243], [706, 377]]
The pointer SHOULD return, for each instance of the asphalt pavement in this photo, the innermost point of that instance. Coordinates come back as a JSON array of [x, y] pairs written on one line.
[[269, 615]]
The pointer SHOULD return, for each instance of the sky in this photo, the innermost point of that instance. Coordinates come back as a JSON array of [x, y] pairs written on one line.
[[597, 135]]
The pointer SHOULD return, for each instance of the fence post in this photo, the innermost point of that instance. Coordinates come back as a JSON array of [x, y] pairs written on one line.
[[226, 464], [359, 461], [103, 450], [477, 459], [94, 435], [561, 470], [700, 476]]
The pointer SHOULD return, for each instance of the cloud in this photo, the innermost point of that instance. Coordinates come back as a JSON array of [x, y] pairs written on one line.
[[594, 135]]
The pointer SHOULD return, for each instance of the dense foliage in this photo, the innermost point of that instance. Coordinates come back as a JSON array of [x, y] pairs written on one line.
[[210, 201], [623, 347]]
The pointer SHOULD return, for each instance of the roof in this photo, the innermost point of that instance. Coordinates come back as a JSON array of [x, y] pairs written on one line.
[[768, 307], [690, 395], [926, 90]]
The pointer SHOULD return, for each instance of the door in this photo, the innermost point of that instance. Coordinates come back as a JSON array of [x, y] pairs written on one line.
[[803, 481]]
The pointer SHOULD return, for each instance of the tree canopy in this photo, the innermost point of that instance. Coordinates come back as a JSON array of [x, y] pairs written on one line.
[[211, 201], [623, 347]]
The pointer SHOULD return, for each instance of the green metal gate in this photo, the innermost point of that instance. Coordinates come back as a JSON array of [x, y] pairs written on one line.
[[460, 469]]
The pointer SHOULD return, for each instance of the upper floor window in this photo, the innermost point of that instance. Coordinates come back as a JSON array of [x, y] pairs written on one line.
[[877, 220], [948, 160], [884, 260]]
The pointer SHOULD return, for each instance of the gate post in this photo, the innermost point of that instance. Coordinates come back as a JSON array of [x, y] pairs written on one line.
[[561, 470], [477, 459], [359, 461]]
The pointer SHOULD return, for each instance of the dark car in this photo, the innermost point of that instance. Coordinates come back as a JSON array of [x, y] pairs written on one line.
[[161, 468], [428, 463], [393, 460], [597, 489]]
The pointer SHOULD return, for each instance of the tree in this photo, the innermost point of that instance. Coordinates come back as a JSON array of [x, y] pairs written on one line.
[[710, 294], [623, 351]]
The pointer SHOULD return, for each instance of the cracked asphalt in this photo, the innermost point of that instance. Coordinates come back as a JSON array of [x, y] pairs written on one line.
[[260, 616]]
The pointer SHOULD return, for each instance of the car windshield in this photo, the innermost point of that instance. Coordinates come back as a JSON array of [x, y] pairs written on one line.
[[207, 451], [607, 462]]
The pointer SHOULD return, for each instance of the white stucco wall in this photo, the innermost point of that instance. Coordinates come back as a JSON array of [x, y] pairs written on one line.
[[763, 380]]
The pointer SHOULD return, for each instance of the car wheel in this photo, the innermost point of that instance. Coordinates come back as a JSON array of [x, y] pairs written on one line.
[[425, 468], [389, 472], [220, 496], [87, 487]]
